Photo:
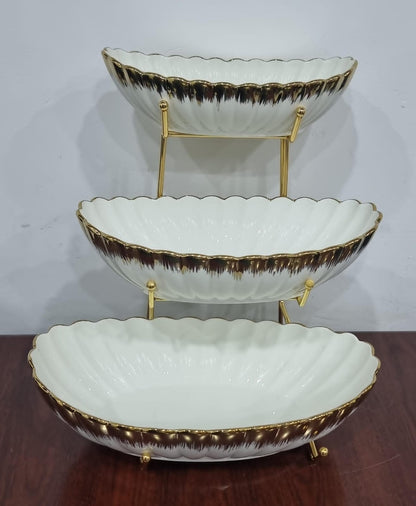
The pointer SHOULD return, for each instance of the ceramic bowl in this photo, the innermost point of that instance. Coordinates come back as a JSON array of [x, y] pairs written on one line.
[[201, 390], [227, 250], [243, 98]]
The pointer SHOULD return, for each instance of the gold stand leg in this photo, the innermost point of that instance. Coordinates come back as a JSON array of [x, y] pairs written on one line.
[[309, 284], [284, 151], [164, 106], [283, 314], [300, 113], [151, 287], [284, 147], [284, 165], [301, 300], [315, 453]]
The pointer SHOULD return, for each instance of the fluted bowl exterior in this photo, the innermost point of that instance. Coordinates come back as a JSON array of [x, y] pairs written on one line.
[[198, 390], [235, 98]]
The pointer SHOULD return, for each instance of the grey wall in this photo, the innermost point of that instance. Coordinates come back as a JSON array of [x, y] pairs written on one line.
[[67, 135]]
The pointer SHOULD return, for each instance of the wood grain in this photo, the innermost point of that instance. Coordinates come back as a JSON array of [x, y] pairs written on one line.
[[372, 457]]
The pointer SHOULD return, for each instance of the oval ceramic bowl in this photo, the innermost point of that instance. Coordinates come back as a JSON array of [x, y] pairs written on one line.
[[201, 390], [227, 250], [243, 98]]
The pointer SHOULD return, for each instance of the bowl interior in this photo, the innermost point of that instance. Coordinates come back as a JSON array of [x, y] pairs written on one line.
[[231, 227], [204, 375], [235, 71]]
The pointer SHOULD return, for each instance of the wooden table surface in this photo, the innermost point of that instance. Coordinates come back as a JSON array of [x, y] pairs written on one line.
[[372, 460]]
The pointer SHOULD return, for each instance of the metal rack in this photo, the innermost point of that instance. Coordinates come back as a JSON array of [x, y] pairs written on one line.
[[285, 141]]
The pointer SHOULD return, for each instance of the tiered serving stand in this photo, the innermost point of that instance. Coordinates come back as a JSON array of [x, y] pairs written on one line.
[[198, 390]]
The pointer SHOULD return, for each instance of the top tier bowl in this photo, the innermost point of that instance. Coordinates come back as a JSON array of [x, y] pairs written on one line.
[[229, 98]]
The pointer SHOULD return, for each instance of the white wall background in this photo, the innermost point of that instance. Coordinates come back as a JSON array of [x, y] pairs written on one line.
[[67, 135]]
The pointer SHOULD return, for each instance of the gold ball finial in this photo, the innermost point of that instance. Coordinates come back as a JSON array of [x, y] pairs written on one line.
[[145, 458], [309, 284], [323, 451], [300, 112], [151, 285]]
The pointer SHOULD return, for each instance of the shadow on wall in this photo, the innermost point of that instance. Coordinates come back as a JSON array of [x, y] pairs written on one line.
[[110, 155], [63, 154], [116, 142], [95, 291], [322, 162], [338, 305]]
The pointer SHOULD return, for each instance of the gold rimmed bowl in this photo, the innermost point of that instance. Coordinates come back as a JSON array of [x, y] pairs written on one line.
[[193, 390], [228, 250], [216, 97]]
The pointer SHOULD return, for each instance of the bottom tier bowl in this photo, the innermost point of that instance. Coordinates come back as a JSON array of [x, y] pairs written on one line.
[[194, 390]]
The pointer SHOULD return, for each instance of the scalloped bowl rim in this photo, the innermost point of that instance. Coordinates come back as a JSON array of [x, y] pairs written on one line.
[[224, 430], [106, 53], [221, 256]]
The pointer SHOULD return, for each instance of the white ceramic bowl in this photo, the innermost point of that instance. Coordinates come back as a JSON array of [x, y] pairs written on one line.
[[243, 98], [227, 250], [201, 390]]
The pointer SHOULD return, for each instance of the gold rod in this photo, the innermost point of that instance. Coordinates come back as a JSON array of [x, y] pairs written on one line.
[[315, 453], [164, 106], [202, 136], [151, 287], [314, 450], [284, 145], [283, 314], [309, 284], [300, 113], [284, 165], [162, 163]]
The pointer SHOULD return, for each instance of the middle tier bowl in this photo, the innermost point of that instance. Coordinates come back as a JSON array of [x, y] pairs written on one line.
[[228, 250]]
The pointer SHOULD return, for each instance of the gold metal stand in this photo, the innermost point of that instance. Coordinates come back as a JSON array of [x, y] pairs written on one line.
[[315, 453], [151, 287], [301, 300], [284, 166], [163, 144], [284, 177], [151, 299], [284, 151], [283, 314], [284, 145], [309, 284]]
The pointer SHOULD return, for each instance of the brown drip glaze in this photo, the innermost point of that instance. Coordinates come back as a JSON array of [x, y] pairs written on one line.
[[216, 265], [226, 439], [200, 91]]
